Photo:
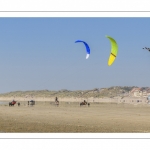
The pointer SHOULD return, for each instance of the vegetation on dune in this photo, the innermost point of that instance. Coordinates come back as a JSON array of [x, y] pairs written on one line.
[[96, 92]]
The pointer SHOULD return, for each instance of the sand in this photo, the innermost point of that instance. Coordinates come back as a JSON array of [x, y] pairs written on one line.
[[69, 117]]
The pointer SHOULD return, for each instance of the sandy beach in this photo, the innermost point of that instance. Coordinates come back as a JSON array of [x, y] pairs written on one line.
[[69, 117]]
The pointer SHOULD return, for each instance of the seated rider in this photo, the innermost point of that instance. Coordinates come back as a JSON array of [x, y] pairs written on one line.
[[56, 99]]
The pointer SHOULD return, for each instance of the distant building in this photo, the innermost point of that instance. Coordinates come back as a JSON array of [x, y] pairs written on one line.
[[139, 92], [148, 91], [135, 92], [148, 98], [144, 93]]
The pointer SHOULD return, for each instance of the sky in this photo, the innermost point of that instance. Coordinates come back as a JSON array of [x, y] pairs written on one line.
[[41, 53]]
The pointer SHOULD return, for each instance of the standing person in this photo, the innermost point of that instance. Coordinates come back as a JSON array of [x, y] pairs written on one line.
[[85, 102], [18, 104], [56, 99]]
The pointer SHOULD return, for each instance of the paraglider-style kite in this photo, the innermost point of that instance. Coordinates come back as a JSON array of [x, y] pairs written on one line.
[[114, 51], [147, 49], [87, 48]]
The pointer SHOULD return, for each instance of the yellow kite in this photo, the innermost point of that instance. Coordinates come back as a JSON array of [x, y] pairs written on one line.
[[114, 51]]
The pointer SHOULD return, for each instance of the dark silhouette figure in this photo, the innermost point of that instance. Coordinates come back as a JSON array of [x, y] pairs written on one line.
[[84, 103], [31, 103], [56, 101], [147, 48], [12, 103]]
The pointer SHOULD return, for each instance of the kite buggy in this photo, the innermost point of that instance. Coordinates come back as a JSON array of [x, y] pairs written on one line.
[[84, 103], [12, 103]]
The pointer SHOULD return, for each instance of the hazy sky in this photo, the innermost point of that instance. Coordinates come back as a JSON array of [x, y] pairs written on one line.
[[41, 53]]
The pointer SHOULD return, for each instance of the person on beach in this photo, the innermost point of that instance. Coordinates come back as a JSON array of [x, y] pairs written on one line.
[[18, 104], [56, 101]]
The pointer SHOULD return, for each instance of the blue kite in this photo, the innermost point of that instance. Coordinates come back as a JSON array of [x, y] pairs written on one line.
[[87, 48]]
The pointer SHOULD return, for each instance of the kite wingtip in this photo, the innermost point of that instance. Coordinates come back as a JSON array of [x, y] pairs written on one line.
[[109, 63], [107, 36], [78, 41], [87, 56]]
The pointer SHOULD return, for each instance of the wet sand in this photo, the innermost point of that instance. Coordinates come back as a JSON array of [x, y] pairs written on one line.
[[45, 117]]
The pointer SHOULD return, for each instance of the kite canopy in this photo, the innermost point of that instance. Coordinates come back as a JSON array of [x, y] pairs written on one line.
[[147, 48], [114, 51], [87, 48]]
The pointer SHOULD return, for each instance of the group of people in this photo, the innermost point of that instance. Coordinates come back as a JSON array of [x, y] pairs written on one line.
[[82, 103], [56, 102]]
